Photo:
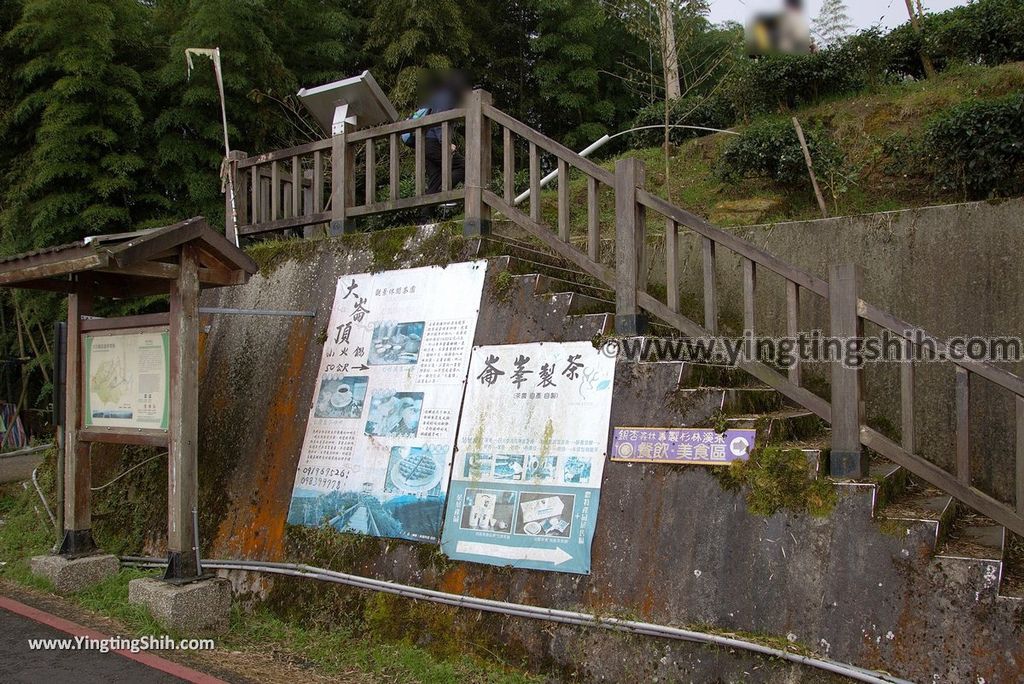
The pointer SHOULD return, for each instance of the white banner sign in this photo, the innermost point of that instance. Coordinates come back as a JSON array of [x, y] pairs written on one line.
[[377, 453], [532, 446]]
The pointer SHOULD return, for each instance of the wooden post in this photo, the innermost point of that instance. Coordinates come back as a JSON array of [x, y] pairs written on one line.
[[183, 435], [810, 167], [847, 459], [77, 539], [629, 246], [343, 182], [478, 164], [234, 197]]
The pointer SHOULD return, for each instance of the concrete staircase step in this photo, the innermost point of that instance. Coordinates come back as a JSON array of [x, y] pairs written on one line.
[[694, 374], [890, 481], [549, 283], [741, 400], [591, 324], [778, 427], [1013, 568], [925, 506], [579, 304], [974, 537], [492, 245]]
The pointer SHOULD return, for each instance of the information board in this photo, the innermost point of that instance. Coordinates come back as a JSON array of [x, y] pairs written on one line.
[[126, 379], [377, 453], [531, 451]]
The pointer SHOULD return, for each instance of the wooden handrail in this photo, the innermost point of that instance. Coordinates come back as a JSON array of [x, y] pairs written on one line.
[[847, 309], [278, 155], [999, 376], [737, 244], [428, 121], [548, 145]]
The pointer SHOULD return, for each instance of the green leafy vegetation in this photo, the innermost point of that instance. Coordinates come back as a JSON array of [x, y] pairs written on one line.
[[380, 641], [771, 149], [777, 479]]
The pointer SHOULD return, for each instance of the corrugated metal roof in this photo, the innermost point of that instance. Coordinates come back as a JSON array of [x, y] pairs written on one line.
[[92, 240]]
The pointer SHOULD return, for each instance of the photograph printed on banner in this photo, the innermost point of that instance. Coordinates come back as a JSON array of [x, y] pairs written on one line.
[[488, 510], [545, 514], [394, 414], [415, 469], [341, 397], [477, 466], [395, 344]]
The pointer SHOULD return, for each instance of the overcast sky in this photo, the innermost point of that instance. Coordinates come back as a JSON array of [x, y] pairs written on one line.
[[863, 13]]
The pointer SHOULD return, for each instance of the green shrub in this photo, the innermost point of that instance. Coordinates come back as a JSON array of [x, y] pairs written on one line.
[[771, 149], [712, 111], [987, 32], [977, 148], [778, 82]]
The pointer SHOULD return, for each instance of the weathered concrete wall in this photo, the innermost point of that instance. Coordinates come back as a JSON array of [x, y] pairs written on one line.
[[672, 546], [952, 270]]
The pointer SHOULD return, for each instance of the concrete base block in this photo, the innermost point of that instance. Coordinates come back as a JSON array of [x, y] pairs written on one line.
[[69, 576], [198, 607]]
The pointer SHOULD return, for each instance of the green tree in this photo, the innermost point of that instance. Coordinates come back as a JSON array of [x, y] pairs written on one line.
[[414, 37], [79, 107], [833, 23], [187, 123], [571, 50]]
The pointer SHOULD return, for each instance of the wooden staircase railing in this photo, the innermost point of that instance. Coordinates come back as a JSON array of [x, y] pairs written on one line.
[[298, 188]]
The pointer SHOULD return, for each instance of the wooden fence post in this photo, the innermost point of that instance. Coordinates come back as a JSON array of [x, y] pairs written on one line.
[[343, 181], [183, 435], [235, 196], [629, 246], [847, 459], [77, 539], [478, 165]]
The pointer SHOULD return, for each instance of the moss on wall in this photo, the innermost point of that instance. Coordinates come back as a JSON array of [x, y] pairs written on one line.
[[777, 479]]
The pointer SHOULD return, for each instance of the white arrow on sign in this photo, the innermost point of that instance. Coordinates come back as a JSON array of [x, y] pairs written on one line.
[[555, 556]]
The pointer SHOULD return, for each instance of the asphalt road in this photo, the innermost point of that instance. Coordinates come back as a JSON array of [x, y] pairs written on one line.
[[18, 663]]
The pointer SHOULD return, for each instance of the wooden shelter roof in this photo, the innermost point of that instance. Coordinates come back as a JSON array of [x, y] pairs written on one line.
[[129, 264]]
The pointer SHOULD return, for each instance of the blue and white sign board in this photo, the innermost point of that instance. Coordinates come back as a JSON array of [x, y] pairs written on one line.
[[377, 454], [531, 451]]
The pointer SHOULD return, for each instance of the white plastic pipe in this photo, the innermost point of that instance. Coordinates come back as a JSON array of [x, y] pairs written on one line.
[[535, 612], [597, 144]]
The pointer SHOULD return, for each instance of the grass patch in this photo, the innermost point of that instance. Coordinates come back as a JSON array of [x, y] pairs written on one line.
[[378, 642], [778, 479]]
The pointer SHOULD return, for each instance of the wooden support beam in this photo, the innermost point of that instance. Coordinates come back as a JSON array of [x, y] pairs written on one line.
[[394, 166], [342, 182], [593, 220], [629, 246], [477, 219], [77, 467], [963, 425], [793, 326], [124, 322], [534, 183], [907, 373], [446, 156], [749, 292], [183, 435], [710, 288], [1020, 454], [420, 166], [847, 459], [672, 264], [563, 200], [508, 165]]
